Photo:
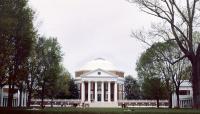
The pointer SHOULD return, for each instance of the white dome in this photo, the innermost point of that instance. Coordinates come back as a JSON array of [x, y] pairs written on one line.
[[99, 63]]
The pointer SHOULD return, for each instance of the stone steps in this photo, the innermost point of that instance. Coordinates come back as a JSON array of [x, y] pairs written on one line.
[[103, 104]]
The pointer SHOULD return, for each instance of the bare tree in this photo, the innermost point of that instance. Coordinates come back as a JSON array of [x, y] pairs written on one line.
[[181, 16]]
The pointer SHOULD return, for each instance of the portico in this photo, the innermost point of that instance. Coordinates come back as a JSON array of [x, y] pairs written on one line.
[[100, 82], [98, 91]]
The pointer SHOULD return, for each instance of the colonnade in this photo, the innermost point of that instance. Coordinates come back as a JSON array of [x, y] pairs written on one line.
[[109, 92], [16, 98]]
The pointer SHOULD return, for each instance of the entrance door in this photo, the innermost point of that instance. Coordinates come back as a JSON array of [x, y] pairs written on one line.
[[99, 97]]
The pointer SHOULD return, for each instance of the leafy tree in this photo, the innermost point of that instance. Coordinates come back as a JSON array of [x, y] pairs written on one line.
[[153, 88], [63, 84], [17, 33], [179, 19], [73, 89], [132, 89], [50, 56], [32, 76], [153, 63]]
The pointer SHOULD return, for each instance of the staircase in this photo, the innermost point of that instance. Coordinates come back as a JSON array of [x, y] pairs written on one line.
[[103, 104]]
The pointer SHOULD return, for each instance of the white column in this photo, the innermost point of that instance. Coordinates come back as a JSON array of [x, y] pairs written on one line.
[[95, 91], [22, 103], [2, 96], [109, 93], [25, 97], [102, 91], [89, 90], [123, 93], [18, 93], [83, 91], [115, 91]]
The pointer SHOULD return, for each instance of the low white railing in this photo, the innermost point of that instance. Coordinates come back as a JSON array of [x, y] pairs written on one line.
[[77, 102], [143, 103], [56, 102]]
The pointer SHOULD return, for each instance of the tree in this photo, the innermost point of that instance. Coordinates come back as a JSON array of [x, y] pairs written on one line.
[[150, 76], [132, 89], [153, 88], [17, 32], [153, 63], [169, 50], [73, 89], [63, 84], [32, 76], [180, 19], [49, 58]]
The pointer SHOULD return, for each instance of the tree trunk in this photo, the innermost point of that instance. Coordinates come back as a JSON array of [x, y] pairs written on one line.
[[29, 98], [170, 99], [178, 98], [30, 91], [42, 96], [52, 102], [10, 92], [169, 91], [157, 102], [196, 82]]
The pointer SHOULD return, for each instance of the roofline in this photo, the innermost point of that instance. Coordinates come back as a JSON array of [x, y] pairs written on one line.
[[97, 70], [101, 69]]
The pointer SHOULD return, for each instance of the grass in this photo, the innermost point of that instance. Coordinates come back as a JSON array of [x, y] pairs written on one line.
[[100, 111]]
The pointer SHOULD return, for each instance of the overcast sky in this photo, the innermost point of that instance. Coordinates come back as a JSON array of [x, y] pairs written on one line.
[[89, 29]]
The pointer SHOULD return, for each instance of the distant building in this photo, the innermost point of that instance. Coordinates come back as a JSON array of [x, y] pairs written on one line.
[[16, 97], [185, 96], [100, 83]]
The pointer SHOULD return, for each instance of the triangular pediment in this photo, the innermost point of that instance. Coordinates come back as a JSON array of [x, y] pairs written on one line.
[[99, 73]]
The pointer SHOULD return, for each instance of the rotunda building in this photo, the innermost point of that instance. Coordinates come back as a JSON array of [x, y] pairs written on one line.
[[100, 83]]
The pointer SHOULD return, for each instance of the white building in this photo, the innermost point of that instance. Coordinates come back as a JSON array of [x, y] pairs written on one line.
[[185, 96], [16, 97], [100, 83]]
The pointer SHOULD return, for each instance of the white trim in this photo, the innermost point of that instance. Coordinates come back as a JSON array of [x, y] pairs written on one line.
[[102, 91], [110, 73], [115, 91], [95, 92], [89, 91], [109, 92], [83, 92]]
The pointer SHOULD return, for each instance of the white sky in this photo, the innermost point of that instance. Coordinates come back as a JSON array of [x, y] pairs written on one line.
[[89, 29]]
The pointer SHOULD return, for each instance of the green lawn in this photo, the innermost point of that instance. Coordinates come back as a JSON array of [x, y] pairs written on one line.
[[101, 111]]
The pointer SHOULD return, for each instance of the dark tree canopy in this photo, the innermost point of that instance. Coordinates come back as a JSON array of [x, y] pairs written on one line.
[[17, 34], [132, 88], [73, 90]]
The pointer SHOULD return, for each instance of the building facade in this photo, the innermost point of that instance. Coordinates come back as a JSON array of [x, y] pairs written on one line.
[[100, 83], [185, 97], [16, 97]]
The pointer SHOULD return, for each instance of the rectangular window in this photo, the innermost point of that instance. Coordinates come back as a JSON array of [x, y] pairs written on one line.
[[184, 92]]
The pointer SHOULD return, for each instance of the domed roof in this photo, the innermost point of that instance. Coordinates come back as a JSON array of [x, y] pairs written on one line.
[[98, 63]]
